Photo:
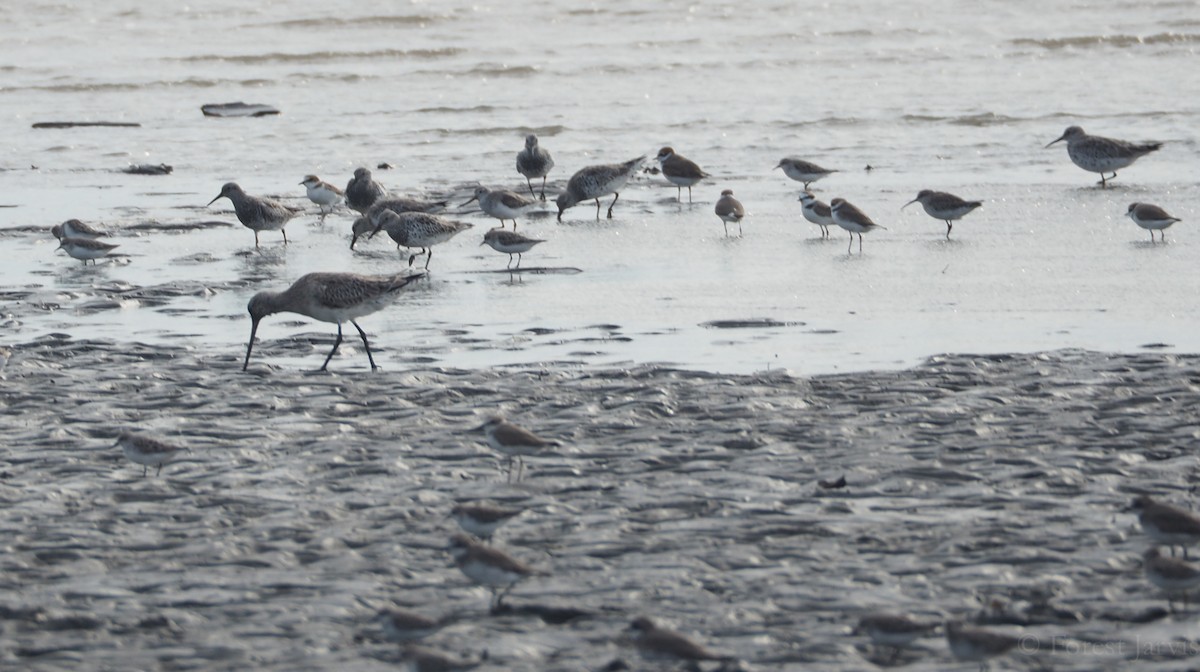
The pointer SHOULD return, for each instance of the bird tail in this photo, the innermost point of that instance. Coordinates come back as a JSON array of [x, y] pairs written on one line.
[[1149, 147]]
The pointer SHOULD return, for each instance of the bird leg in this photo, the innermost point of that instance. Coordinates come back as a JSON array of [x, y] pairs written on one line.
[[256, 240], [598, 210], [428, 257], [365, 344], [284, 236], [531, 187], [543, 188], [610, 207], [689, 194], [335, 347], [850, 247], [158, 472], [860, 243], [949, 225], [518, 259]]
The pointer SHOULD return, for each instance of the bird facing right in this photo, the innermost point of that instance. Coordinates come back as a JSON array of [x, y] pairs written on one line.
[[943, 206], [1152, 218], [851, 219], [977, 644], [661, 644]]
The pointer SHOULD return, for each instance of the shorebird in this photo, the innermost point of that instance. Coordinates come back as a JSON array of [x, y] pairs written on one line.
[[85, 249], [489, 566], [1171, 575], [322, 193], [501, 204], [257, 214], [482, 520], [816, 212], [1166, 524], [1102, 155], [803, 171], [943, 206], [596, 181], [397, 205], [146, 451], [417, 229], [534, 162], [1151, 217], [896, 631], [851, 219], [977, 644], [362, 191], [514, 441], [329, 297], [73, 228], [510, 243], [422, 659], [401, 625], [729, 209], [656, 643], [679, 171]]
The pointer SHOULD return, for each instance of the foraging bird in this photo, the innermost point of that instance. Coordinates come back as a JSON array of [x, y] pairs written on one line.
[[803, 171], [501, 204], [330, 297], [362, 191], [417, 229], [943, 206], [1097, 154], [322, 193], [510, 243], [85, 249], [257, 213], [657, 643], [1152, 218], [729, 209], [816, 212], [596, 181], [679, 171], [1171, 575], [851, 219], [534, 162], [146, 451], [1167, 524], [397, 205]]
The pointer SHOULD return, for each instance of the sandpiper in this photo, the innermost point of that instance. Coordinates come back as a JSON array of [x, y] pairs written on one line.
[[489, 566], [943, 206], [402, 625], [501, 204], [679, 171], [417, 229], [85, 249], [803, 171], [146, 451], [1167, 524], [596, 181], [1102, 155], [422, 659], [1172, 575], [514, 441], [73, 228], [510, 243], [816, 212], [256, 213], [330, 297], [896, 631], [657, 643], [729, 209], [977, 644], [1151, 217], [397, 205], [324, 194], [534, 162], [851, 219], [362, 191], [482, 520]]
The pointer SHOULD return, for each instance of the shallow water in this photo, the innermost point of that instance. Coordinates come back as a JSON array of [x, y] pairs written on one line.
[[939, 97]]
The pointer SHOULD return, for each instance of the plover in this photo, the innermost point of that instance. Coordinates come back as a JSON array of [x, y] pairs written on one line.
[[510, 243], [257, 213], [1172, 575], [1097, 154], [977, 644], [146, 451], [679, 171], [514, 441], [73, 228], [816, 212], [1167, 524], [402, 625], [330, 297], [661, 644], [943, 206], [501, 204], [362, 191], [729, 209], [851, 219], [482, 520], [803, 171], [593, 182], [1151, 217], [896, 631], [534, 162], [85, 249], [423, 659], [417, 230], [324, 194], [488, 566]]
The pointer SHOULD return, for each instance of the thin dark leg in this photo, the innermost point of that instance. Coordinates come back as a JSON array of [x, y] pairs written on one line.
[[860, 243], [949, 225], [411, 258], [158, 472], [610, 205], [284, 236], [850, 247], [256, 240], [428, 258], [739, 228], [726, 225], [806, 186], [509, 261], [689, 194], [597, 209], [365, 344], [143, 471], [518, 259], [335, 347], [531, 194], [678, 194], [543, 188]]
